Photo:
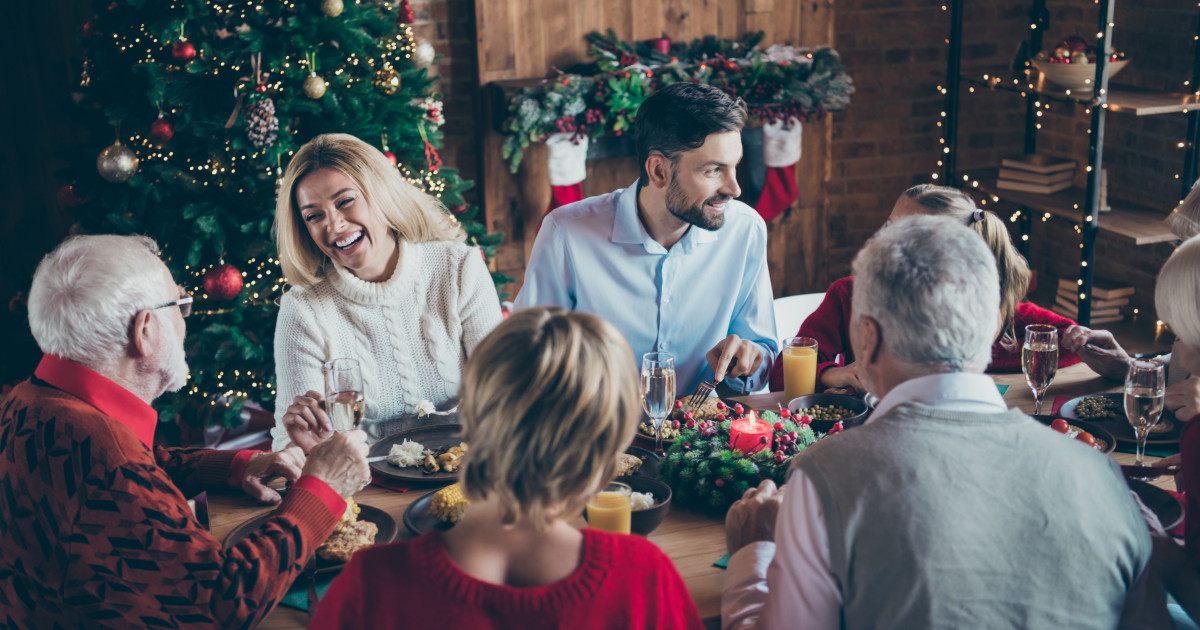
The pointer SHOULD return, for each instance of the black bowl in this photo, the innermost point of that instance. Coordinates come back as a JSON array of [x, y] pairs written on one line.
[[649, 466], [853, 403], [642, 522]]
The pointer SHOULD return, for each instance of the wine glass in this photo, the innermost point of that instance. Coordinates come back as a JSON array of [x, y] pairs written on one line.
[[1039, 360], [1145, 386], [658, 390], [344, 394]]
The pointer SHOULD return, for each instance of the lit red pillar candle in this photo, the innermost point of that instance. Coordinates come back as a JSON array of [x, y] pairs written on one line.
[[745, 434], [662, 45]]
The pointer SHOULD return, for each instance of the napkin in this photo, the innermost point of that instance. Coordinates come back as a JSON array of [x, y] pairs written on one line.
[[723, 563], [297, 596], [1003, 389]]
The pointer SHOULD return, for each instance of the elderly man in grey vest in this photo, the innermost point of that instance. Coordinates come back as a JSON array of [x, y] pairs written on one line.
[[946, 509]]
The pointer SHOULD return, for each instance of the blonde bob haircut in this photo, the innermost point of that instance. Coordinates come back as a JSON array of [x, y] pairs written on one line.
[[413, 215], [1177, 292], [944, 201], [549, 402]]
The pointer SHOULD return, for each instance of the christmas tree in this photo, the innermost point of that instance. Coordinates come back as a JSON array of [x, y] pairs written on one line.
[[195, 107]]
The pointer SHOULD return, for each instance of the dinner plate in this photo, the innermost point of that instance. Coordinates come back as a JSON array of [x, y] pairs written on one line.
[[384, 521], [1119, 426], [431, 437], [650, 461], [1165, 506], [1100, 433], [419, 518]]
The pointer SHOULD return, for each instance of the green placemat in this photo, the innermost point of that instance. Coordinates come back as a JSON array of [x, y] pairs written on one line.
[[723, 563], [1003, 389], [297, 596]]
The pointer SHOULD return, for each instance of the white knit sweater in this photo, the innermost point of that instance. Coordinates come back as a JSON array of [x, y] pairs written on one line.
[[411, 333]]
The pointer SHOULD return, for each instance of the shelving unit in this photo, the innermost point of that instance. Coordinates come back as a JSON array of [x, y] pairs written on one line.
[[1142, 226]]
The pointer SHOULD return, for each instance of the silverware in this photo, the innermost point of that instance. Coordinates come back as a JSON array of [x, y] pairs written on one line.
[[703, 391], [380, 458]]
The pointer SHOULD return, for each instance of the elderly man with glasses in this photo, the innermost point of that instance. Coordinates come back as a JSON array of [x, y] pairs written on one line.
[[96, 526]]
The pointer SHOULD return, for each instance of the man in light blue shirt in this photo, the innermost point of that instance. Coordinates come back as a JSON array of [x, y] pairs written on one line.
[[673, 261]]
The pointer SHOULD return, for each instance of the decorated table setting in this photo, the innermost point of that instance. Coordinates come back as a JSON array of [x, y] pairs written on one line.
[[705, 465]]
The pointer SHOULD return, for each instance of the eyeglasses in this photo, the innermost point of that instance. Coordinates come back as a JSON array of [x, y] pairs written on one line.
[[184, 303]]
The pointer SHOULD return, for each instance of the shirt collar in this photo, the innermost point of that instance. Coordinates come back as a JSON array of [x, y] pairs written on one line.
[[628, 228], [102, 393], [956, 391]]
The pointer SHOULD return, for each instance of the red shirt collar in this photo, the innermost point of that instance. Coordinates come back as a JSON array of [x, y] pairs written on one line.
[[103, 394]]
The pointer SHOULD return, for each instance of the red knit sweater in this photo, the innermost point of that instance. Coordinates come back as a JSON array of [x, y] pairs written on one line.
[[623, 582], [96, 531], [830, 326]]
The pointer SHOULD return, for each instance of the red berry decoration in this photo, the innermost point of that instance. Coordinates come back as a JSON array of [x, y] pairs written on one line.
[[183, 51], [778, 426], [720, 417], [223, 282], [806, 419], [679, 404], [720, 405], [785, 413], [161, 130], [837, 427], [675, 424], [720, 483], [792, 435], [763, 440], [687, 415], [687, 445], [780, 457], [739, 409], [691, 424], [391, 157]]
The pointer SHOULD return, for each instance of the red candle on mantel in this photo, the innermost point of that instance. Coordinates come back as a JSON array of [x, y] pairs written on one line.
[[745, 434], [662, 45]]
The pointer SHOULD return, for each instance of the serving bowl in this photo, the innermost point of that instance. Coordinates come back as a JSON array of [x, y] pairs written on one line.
[[642, 522], [851, 403], [1076, 76]]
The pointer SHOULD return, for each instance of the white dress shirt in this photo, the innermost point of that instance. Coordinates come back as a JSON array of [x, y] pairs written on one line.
[[788, 582]]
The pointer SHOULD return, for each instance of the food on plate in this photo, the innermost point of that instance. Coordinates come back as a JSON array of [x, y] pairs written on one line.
[[1098, 408], [708, 410], [349, 535], [1072, 431], [449, 504], [628, 464], [445, 459], [825, 412], [407, 453], [424, 408], [669, 429], [640, 501]]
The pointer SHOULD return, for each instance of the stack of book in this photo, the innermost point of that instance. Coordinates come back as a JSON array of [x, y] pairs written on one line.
[[1035, 173], [1108, 300]]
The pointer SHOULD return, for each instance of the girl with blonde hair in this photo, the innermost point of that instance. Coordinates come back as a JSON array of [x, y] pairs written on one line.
[[379, 274], [830, 323], [549, 402]]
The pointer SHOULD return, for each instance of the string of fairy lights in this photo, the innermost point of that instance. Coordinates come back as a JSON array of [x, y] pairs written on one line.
[[1040, 107], [229, 166]]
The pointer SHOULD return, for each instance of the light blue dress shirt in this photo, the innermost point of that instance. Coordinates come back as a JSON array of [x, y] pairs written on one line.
[[596, 256]]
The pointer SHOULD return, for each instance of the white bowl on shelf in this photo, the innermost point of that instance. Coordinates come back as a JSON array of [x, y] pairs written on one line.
[[1077, 77]]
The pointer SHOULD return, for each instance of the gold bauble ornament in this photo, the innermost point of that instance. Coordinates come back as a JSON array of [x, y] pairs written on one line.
[[314, 86], [332, 8], [117, 163], [386, 81]]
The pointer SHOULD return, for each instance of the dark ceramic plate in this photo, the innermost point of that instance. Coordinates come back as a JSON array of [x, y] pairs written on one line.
[[383, 520], [1165, 507], [1100, 433], [649, 462], [431, 437], [418, 518], [1165, 433]]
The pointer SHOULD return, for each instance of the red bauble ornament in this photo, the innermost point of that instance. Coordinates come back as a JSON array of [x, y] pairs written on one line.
[[183, 51], [405, 13], [161, 130], [89, 29], [391, 157], [223, 282], [459, 209]]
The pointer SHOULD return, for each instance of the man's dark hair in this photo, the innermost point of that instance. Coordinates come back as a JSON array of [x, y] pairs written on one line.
[[680, 117]]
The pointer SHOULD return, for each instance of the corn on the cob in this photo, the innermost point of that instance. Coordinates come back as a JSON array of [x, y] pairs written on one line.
[[449, 504]]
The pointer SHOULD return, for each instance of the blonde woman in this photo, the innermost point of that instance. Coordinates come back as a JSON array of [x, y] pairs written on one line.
[[830, 323], [379, 274], [548, 404]]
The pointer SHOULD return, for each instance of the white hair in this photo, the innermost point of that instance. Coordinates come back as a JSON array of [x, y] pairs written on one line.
[[1177, 293], [86, 292], [931, 284]]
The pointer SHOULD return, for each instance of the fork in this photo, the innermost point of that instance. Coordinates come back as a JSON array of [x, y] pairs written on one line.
[[703, 391]]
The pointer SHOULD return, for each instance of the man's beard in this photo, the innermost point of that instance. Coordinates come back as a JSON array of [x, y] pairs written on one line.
[[680, 206], [174, 368]]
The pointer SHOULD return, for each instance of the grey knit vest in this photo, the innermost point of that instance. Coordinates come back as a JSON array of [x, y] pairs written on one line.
[[942, 519]]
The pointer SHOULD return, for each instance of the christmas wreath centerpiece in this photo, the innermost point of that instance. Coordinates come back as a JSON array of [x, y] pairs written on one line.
[[713, 462]]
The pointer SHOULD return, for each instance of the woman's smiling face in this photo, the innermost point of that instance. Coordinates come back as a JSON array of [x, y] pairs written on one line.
[[335, 211]]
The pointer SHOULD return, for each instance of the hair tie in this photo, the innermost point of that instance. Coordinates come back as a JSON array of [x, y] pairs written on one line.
[[977, 216]]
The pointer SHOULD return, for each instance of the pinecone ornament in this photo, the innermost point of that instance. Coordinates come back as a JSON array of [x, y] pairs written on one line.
[[261, 123]]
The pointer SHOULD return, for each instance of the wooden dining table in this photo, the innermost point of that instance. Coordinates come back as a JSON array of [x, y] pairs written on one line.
[[693, 540]]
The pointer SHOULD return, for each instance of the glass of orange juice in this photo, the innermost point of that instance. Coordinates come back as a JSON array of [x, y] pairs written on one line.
[[799, 366], [609, 509]]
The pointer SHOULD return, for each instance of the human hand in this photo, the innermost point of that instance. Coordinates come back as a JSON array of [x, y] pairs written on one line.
[[1170, 465], [846, 376], [264, 467], [752, 518], [1098, 349], [1183, 399], [341, 462], [306, 421], [748, 354]]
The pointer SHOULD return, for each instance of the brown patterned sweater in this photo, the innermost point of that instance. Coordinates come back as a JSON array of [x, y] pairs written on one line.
[[95, 530]]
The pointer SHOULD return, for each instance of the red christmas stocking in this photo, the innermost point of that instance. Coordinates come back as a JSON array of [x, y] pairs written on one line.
[[779, 191], [563, 195], [567, 162], [781, 152]]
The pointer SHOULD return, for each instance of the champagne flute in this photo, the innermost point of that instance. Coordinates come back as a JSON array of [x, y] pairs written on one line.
[[344, 394], [1039, 360], [1145, 387], [658, 390]]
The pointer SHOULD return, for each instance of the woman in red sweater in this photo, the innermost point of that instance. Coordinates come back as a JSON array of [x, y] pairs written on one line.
[[830, 323], [548, 404]]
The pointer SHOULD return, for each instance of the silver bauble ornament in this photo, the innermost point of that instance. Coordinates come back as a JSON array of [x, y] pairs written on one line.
[[117, 163], [332, 8], [424, 54], [314, 86]]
